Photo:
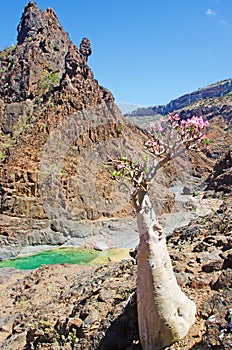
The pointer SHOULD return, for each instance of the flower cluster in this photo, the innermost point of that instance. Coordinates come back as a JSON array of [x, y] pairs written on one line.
[[192, 130], [172, 132], [197, 122], [165, 141], [126, 169], [174, 120]]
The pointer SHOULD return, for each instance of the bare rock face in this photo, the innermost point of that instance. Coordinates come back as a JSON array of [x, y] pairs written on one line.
[[221, 180], [31, 23]]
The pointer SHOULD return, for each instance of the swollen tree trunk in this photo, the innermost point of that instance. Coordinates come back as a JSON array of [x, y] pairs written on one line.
[[165, 313]]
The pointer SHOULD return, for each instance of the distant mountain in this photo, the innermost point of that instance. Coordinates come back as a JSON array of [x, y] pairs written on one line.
[[214, 90], [127, 107]]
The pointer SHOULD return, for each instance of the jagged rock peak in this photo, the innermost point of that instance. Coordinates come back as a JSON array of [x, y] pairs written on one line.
[[34, 22], [85, 48], [44, 59]]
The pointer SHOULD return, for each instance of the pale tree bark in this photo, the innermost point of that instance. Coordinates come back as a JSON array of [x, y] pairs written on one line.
[[165, 313]]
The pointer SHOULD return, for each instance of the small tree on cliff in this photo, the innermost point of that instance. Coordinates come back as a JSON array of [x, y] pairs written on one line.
[[165, 313]]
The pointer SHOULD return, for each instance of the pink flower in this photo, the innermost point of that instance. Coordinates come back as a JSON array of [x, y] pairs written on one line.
[[173, 117], [121, 165], [194, 124], [202, 138], [206, 123], [176, 117]]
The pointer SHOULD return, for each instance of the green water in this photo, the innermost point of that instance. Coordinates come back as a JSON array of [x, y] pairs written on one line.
[[56, 256]]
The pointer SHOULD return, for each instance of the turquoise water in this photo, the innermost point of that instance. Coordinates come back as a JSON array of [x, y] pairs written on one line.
[[56, 256]]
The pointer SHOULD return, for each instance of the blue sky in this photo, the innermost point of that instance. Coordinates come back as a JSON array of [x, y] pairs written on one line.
[[146, 52]]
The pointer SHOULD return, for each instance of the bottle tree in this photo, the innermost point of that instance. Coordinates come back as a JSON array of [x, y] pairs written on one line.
[[165, 313]]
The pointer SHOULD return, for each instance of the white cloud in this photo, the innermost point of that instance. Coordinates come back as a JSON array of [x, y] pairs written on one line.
[[224, 22], [210, 12]]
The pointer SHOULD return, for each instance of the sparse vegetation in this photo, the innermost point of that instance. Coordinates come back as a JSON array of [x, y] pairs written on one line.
[[7, 51], [48, 81], [56, 47], [6, 141], [53, 78], [121, 128]]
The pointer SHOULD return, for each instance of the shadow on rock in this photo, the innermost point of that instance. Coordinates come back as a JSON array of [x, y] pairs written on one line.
[[123, 332]]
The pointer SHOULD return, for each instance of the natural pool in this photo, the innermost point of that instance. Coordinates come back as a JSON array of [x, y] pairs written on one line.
[[65, 256]]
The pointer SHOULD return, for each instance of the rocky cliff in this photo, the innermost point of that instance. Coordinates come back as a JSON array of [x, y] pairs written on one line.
[[221, 179], [215, 90], [58, 126]]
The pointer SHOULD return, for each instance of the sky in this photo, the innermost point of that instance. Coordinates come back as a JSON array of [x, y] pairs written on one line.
[[147, 52]]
